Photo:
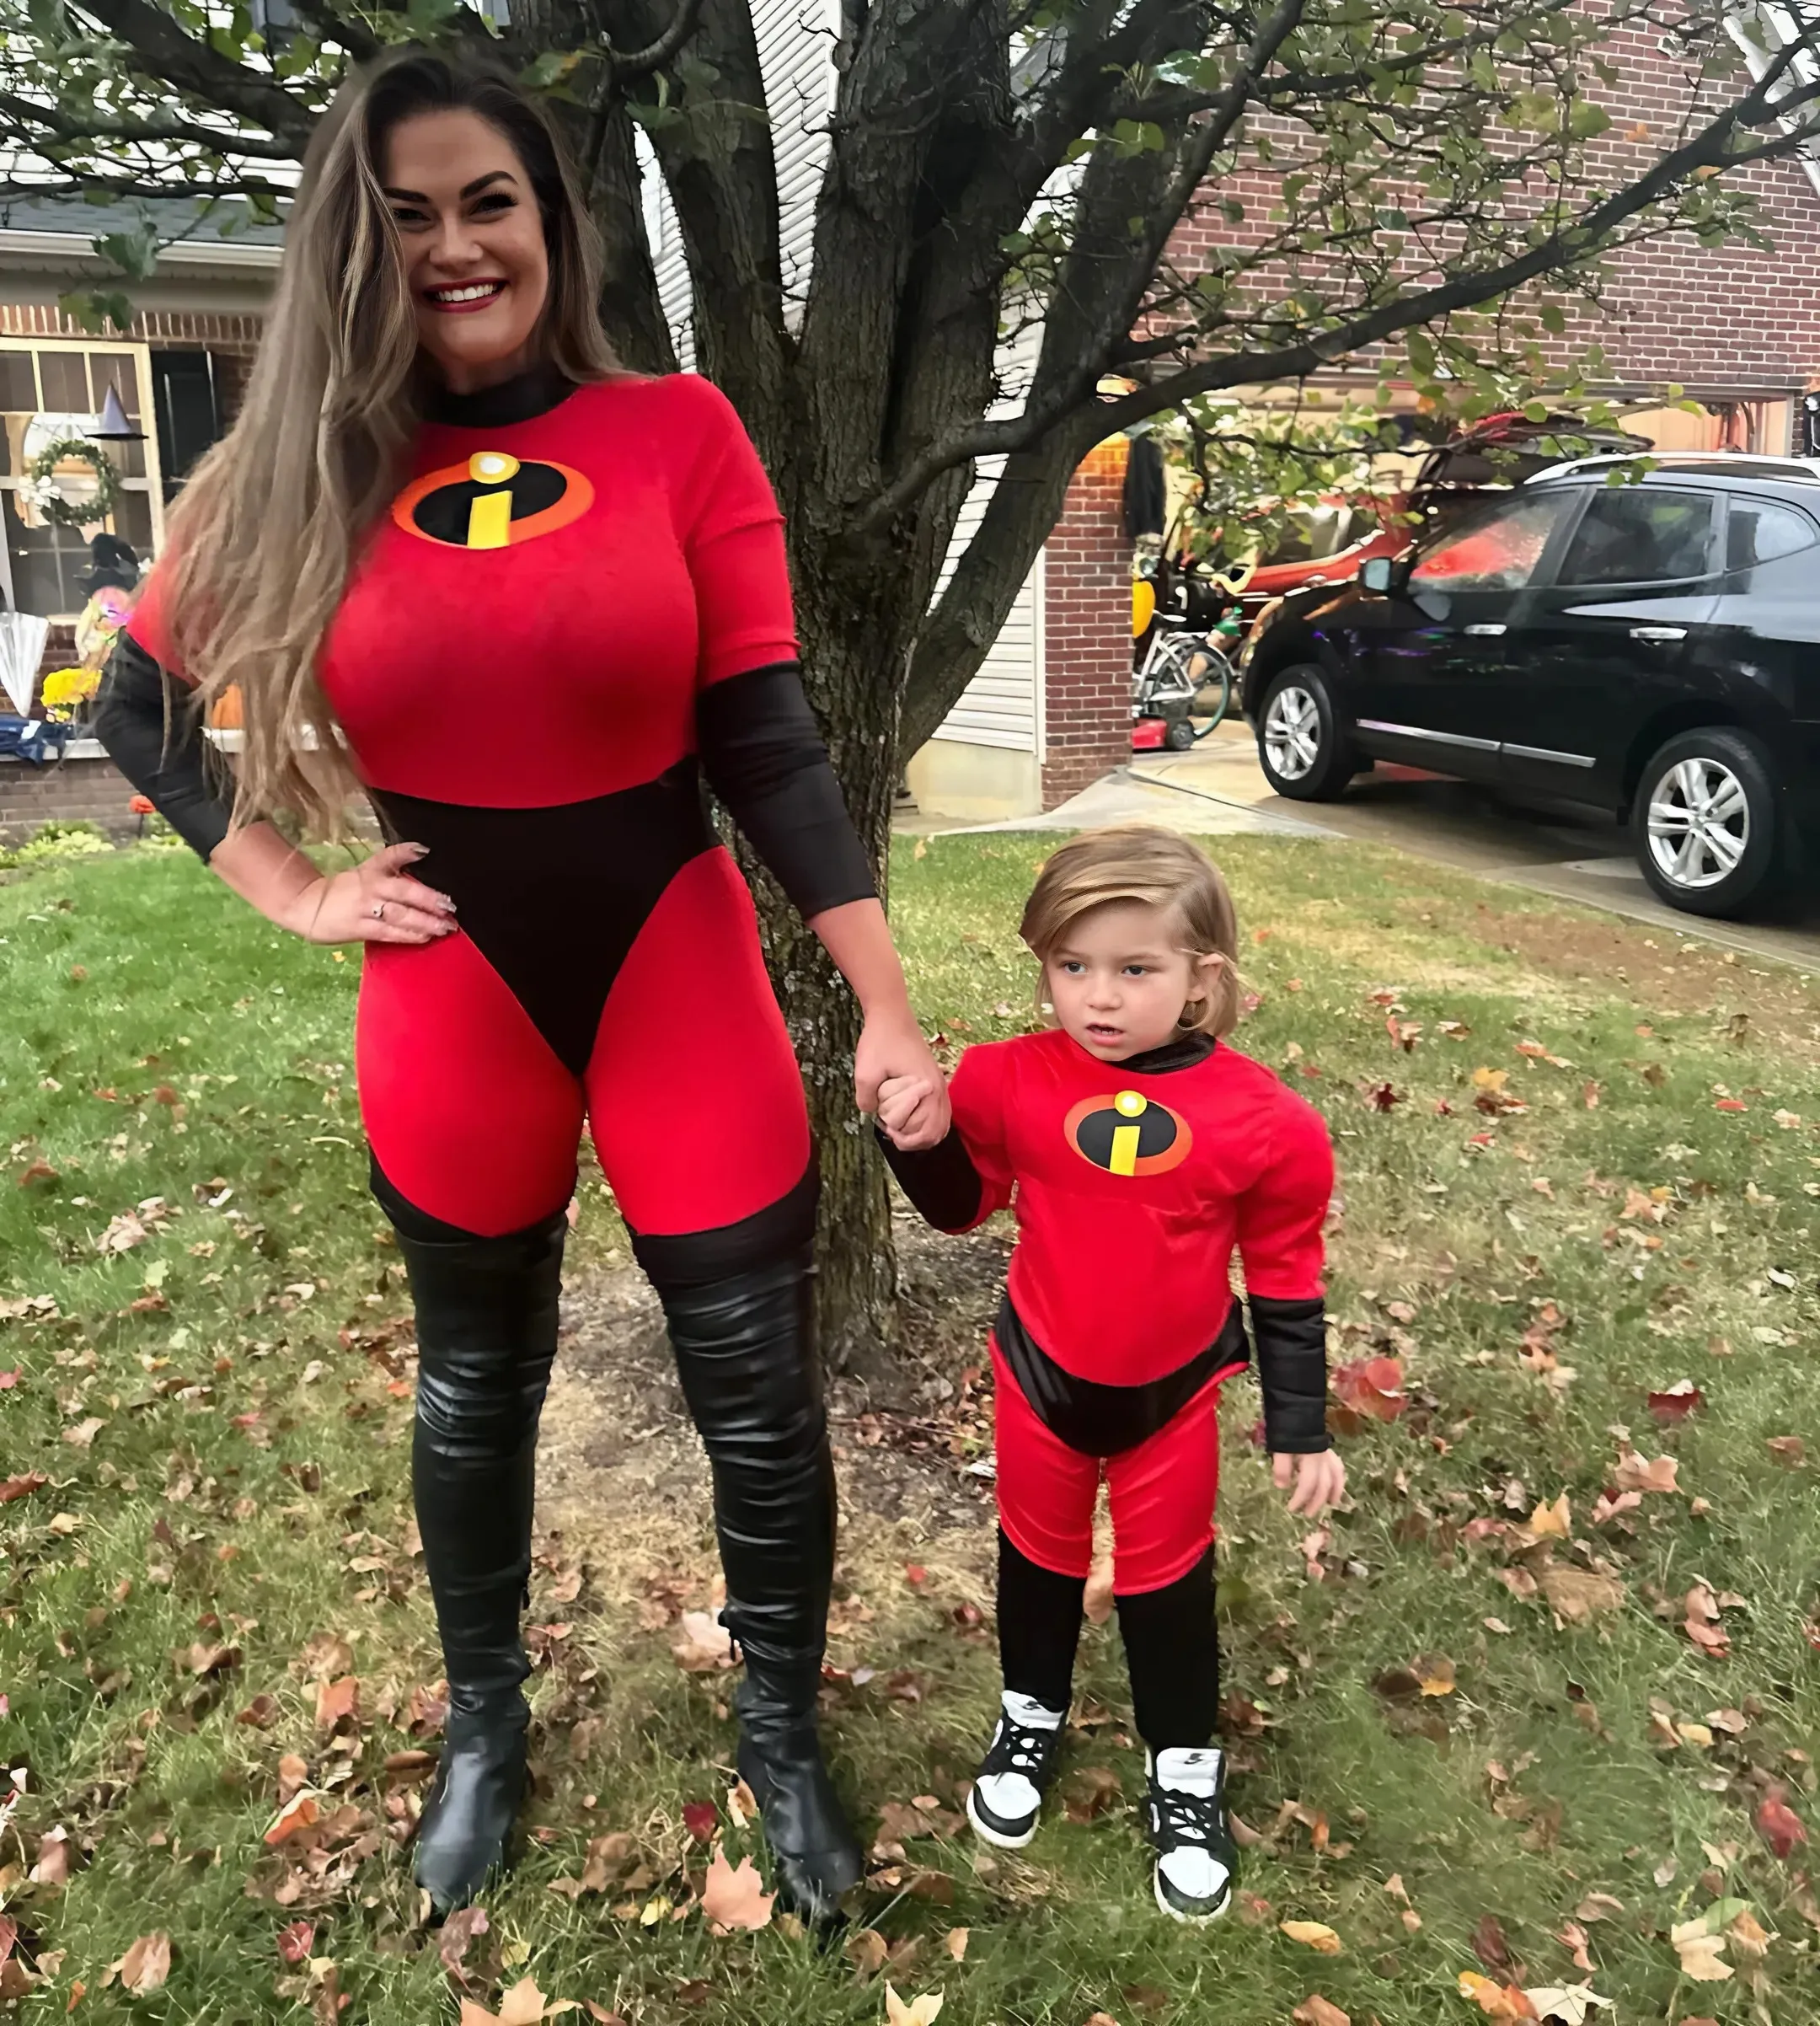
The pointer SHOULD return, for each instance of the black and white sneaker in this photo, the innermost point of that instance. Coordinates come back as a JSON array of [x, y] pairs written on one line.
[[1007, 1794], [1184, 1817]]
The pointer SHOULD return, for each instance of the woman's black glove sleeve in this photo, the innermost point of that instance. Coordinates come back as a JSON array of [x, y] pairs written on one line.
[[763, 757], [148, 723]]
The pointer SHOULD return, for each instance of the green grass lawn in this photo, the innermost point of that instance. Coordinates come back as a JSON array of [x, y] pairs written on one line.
[[1524, 1699]]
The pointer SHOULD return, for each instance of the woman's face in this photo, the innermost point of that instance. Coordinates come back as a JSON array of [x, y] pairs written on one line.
[[473, 240]]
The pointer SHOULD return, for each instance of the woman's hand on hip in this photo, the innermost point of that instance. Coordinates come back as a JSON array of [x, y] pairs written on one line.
[[372, 903], [891, 1048]]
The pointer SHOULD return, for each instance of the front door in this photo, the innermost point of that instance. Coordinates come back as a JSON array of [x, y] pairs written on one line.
[[1605, 638], [1432, 659]]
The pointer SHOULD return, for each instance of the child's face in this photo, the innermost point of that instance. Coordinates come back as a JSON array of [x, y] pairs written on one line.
[[1120, 978]]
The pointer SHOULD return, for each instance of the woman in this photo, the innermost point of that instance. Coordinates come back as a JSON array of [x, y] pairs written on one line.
[[444, 515]]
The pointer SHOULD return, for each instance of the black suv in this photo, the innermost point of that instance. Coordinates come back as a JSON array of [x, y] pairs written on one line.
[[1646, 641]]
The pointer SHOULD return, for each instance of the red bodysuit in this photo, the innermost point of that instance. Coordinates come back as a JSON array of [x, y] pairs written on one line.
[[577, 593], [1133, 1184]]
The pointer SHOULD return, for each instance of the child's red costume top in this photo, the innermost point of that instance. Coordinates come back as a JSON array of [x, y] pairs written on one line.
[[576, 607], [1132, 1190], [1134, 1184]]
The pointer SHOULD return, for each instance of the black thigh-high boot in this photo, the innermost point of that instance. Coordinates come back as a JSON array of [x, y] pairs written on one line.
[[746, 1352], [486, 1335]]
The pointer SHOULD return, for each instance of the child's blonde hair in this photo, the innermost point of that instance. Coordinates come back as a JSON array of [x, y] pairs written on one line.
[[1140, 862]]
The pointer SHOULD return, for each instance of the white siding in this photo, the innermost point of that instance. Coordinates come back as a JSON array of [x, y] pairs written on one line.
[[1002, 705], [796, 54], [795, 42]]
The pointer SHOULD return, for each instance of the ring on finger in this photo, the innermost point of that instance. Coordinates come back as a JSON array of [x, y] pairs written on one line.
[[378, 910]]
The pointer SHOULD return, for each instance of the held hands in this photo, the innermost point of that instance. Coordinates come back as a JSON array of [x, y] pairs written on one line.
[[374, 902], [1320, 1480], [896, 1078]]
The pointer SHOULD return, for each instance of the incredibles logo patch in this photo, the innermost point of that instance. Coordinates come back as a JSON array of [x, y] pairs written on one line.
[[1128, 1134], [492, 501]]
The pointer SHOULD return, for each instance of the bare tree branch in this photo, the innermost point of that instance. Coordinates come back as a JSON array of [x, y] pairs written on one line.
[[195, 67], [655, 54], [328, 24], [65, 126]]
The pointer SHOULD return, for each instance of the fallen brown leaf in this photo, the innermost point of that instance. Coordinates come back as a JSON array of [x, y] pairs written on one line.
[[456, 1937], [1702, 1626], [919, 2012], [1636, 1473], [1372, 1386], [705, 1645], [734, 1899], [1496, 1999], [1701, 1952], [296, 1941], [1576, 1594], [1312, 1934], [1779, 1825], [52, 1867], [144, 1967], [1315, 2011], [337, 1702], [1488, 1943]]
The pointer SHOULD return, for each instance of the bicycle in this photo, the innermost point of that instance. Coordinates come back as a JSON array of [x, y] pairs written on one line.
[[1186, 679]]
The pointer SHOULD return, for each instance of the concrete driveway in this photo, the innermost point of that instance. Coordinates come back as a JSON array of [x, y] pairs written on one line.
[[1564, 852]]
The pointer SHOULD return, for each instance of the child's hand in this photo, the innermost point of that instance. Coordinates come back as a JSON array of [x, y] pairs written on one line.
[[1320, 1480], [901, 1102]]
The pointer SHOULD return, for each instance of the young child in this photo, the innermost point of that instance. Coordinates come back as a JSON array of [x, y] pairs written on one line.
[[1138, 1149]]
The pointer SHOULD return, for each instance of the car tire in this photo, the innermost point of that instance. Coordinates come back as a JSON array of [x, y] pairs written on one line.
[[1304, 746], [1707, 823]]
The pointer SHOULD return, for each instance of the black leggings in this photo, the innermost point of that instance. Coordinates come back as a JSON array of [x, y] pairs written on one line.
[[1172, 1645]]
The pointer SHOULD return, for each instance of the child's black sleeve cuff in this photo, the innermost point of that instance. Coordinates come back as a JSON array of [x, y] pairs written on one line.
[[1290, 1338], [941, 1181]]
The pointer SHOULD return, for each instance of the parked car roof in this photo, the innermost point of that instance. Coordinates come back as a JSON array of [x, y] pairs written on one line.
[[1705, 464]]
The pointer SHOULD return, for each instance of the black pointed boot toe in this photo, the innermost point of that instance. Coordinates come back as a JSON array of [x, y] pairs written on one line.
[[816, 1856], [467, 1833]]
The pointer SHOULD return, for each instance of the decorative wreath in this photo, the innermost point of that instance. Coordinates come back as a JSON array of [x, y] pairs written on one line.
[[40, 485]]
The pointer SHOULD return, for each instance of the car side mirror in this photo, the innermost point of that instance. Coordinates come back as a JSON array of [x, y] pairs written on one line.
[[1379, 573]]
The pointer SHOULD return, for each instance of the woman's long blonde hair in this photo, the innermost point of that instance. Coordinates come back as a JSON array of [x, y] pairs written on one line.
[[262, 540]]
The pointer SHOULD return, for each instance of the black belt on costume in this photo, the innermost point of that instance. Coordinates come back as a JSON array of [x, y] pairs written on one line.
[[1100, 1420]]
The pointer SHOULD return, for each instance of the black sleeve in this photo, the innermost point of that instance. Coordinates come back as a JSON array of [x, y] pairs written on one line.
[[166, 761], [941, 1181], [763, 757], [1290, 1343]]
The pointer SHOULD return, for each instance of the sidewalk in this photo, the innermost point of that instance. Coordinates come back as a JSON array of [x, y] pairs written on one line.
[[1218, 790], [1125, 796]]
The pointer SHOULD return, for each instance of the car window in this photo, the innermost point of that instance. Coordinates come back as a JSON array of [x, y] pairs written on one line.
[[1499, 552], [1633, 534], [1758, 531]]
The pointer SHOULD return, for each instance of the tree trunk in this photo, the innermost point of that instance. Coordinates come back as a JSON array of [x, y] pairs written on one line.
[[855, 622]]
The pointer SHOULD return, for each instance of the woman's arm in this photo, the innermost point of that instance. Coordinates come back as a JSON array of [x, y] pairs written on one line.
[[147, 719], [858, 938], [762, 752]]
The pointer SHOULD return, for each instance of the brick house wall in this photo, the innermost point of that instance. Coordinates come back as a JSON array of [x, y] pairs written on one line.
[[1087, 630]]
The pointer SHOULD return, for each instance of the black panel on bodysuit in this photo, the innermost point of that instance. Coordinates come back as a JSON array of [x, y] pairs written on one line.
[[554, 897]]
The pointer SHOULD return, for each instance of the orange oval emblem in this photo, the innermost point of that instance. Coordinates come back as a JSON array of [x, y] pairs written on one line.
[[492, 500], [1126, 1133]]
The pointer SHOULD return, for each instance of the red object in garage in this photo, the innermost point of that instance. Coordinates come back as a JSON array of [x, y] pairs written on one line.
[[1147, 735]]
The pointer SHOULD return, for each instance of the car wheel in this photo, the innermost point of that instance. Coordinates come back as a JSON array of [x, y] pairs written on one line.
[[1707, 823], [1304, 749]]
